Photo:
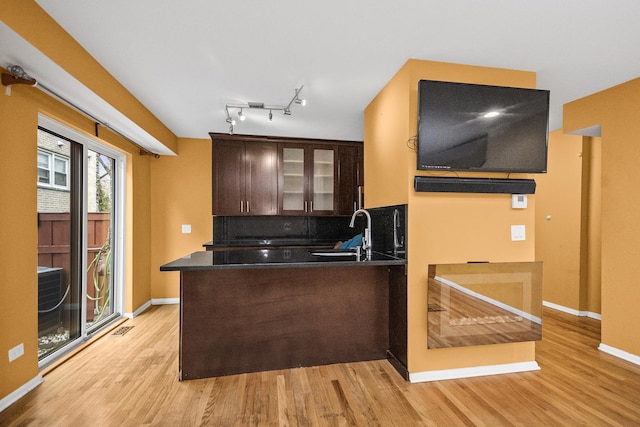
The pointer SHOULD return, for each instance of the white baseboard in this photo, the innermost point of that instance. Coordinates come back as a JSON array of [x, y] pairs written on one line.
[[139, 311], [572, 311], [164, 301], [476, 371], [13, 397], [619, 353]]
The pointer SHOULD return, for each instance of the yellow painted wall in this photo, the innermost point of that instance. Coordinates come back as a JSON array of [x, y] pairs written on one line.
[[18, 241], [616, 110], [569, 242], [181, 194], [442, 228], [594, 227], [18, 147], [559, 195]]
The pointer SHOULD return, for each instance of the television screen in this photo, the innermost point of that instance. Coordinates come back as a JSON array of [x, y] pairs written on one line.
[[471, 127]]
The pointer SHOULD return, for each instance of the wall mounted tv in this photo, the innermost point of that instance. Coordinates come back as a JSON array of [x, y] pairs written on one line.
[[471, 127]]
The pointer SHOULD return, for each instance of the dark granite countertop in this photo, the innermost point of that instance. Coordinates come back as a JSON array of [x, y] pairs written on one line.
[[270, 243], [274, 258]]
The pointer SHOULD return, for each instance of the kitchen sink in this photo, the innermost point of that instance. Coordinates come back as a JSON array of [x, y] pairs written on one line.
[[334, 252]]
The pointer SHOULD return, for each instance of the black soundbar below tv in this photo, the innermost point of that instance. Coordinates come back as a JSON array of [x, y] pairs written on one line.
[[437, 184]]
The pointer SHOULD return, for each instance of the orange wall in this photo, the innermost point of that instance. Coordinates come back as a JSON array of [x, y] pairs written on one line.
[[616, 110], [559, 195], [569, 242], [18, 241], [18, 147], [18, 237], [594, 227], [180, 194], [442, 228]]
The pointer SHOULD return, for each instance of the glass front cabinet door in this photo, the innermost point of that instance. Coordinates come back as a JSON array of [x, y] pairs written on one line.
[[307, 180]]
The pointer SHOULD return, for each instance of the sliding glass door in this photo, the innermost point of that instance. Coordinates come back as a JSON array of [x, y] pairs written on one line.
[[80, 217], [99, 225], [59, 213]]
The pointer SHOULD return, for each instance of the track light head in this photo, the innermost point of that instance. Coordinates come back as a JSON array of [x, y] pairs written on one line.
[[286, 109]]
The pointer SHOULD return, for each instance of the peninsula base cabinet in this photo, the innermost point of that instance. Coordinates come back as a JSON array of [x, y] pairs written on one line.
[[249, 320], [285, 176]]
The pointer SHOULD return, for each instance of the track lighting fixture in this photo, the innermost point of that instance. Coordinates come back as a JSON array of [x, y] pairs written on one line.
[[286, 109]]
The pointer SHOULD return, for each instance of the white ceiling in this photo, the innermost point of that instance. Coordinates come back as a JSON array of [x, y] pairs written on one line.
[[186, 59]]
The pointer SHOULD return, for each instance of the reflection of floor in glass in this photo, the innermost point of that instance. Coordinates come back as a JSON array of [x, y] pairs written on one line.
[[484, 320], [52, 341], [457, 319]]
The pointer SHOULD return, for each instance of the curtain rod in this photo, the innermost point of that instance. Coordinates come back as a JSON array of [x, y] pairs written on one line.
[[19, 76]]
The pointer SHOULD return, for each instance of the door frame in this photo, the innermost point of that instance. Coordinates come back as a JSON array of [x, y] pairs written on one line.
[[90, 142]]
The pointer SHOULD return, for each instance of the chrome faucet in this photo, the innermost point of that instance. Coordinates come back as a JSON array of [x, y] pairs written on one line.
[[367, 243], [397, 242]]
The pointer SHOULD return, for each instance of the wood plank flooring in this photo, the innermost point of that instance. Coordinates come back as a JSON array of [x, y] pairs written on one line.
[[132, 380]]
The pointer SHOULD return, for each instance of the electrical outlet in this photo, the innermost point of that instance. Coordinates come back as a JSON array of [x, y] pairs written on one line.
[[186, 228], [16, 352]]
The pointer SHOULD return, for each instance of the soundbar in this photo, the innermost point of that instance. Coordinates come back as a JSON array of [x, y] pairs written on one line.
[[438, 184]]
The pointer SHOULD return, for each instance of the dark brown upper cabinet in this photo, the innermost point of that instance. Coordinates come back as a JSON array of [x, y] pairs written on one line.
[[301, 176], [245, 178]]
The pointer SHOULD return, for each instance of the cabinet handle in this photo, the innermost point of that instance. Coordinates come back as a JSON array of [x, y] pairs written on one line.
[[311, 204], [305, 206], [247, 206], [241, 206]]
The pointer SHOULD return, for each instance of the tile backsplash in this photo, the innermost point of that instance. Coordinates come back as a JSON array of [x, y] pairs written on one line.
[[281, 230], [313, 230]]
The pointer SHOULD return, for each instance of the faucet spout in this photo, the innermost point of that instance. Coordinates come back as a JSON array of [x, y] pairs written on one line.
[[367, 243]]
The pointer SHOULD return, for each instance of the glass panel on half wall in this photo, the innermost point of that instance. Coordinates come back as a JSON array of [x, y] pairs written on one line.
[[484, 303]]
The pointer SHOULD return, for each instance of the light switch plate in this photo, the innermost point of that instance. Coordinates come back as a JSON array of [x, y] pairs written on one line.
[[518, 233], [186, 228], [519, 201], [16, 352]]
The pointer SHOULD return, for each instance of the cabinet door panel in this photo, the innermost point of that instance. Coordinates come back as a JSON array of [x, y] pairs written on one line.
[[261, 163], [347, 186], [228, 178], [323, 189], [293, 179]]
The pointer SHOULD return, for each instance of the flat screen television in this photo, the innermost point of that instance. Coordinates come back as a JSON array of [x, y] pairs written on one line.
[[472, 127]]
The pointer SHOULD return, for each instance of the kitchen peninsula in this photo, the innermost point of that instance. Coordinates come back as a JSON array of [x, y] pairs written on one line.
[[265, 309]]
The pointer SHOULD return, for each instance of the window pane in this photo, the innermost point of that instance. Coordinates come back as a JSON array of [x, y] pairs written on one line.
[[43, 176], [60, 179], [61, 165], [43, 167], [43, 160]]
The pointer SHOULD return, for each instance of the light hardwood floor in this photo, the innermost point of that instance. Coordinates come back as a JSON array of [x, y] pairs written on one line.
[[131, 380]]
